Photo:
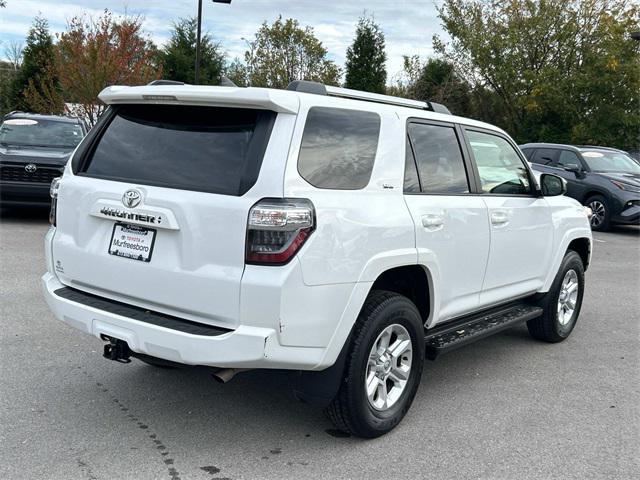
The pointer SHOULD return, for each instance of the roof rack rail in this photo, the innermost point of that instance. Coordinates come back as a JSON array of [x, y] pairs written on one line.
[[223, 82], [306, 86], [438, 107], [12, 112], [226, 82], [165, 82]]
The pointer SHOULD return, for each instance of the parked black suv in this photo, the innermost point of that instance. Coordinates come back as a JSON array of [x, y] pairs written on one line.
[[33, 151], [605, 179]]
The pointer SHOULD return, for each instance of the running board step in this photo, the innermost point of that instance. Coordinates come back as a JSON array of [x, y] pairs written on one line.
[[464, 331]]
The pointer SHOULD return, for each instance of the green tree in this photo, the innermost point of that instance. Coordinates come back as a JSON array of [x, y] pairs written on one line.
[[404, 80], [7, 75], [283, 52], [439, 82], [366, 58], [236, 71], [179, 56], [436, 80], [562, 70], [38, 72]]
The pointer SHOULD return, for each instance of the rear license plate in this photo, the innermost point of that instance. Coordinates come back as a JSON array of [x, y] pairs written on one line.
[[132, 241]]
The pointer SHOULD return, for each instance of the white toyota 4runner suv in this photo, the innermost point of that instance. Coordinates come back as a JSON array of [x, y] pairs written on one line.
[[341, 235]]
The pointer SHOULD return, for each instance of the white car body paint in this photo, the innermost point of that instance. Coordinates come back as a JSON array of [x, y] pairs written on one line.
[[298, 315]]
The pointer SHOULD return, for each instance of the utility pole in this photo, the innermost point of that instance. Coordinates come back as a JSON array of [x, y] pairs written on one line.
[[197, 75], [197, 80]]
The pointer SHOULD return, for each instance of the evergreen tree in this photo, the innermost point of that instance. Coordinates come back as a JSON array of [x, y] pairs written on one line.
[[179, 56], [366, 58], [38, 69], [7, 74]]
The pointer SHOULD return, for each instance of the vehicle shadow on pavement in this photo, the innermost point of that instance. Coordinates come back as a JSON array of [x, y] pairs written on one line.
[[192, 424], [192, 397], [630, 230], [258, 407]]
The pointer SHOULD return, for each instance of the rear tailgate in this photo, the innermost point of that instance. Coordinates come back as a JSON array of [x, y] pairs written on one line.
[[180, 180]]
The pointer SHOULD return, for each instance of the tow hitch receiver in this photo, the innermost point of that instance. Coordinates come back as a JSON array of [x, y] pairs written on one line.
[[117, 350]]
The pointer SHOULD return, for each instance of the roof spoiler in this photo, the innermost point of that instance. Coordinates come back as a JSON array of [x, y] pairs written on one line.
[[184, 94]]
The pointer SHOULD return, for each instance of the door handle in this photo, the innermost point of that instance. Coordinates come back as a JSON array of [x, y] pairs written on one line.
[[432, 221], [499, 217]]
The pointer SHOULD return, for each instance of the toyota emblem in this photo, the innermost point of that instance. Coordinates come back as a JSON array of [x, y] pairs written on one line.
[[131, 198], [30, 168]]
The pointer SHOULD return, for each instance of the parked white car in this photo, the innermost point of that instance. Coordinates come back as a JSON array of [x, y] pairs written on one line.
[[338, 234]]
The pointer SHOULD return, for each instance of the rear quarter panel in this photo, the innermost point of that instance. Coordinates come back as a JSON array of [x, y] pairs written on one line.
[[358, 231], [359, 234]]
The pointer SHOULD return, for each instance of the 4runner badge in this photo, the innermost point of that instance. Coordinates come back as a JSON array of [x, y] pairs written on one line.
[[131, 198]]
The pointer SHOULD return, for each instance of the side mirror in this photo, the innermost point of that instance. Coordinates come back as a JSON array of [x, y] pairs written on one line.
[[573, 167], [552, 185]]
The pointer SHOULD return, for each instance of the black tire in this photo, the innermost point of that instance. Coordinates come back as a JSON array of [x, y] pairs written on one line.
[[600, 222], [549, 327], [351, 410]]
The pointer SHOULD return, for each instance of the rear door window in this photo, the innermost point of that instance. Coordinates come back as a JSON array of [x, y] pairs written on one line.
[[411, 181], [527, 153], [544, 156], [339, 148], [208, 149], [568, 158], [439, 159]]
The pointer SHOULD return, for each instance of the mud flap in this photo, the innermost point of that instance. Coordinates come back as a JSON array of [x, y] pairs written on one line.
[[319, 388]]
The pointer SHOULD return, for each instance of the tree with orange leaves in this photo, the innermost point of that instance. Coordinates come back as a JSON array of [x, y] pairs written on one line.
[[95, 53]]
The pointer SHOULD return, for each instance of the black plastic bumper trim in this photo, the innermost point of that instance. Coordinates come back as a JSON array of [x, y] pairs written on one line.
[[139, 314]]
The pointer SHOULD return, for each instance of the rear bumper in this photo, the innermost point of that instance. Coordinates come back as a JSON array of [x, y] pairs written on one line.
[[244, 347], [22, 193]]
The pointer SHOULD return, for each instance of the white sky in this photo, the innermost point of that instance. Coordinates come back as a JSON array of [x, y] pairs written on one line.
[[408, 24]]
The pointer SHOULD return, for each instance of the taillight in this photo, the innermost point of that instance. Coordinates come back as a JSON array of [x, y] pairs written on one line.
[[277, 229], [53, 191]]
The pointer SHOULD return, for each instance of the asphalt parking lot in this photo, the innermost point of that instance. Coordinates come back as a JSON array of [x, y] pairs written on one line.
[[504, 408]]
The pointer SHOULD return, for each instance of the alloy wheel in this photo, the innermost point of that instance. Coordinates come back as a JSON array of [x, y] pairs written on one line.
[[388, 367], [568, 298], [599, 213]]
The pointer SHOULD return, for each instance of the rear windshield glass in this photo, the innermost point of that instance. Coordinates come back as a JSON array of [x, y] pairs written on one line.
[[216, 150], [338, 148]]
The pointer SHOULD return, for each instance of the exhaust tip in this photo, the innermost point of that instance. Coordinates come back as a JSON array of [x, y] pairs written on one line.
[[224, 375]]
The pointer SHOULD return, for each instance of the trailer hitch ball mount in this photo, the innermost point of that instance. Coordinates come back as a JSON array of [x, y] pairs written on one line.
[[116, 349]]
